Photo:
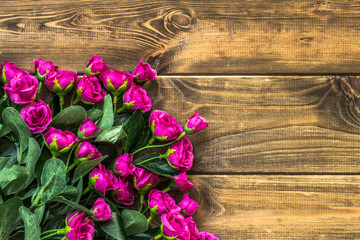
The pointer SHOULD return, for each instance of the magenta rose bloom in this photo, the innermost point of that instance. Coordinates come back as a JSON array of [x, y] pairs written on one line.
[[87, 130], [61, 82], [179, 155], [58, 141], [173, 225], [116, 81], [188, 204], [181, 183], [163, 126], [195, 124], [78, 227], [95, 66], [37, 116], [144, 72], [85, 151], [144, 180], [123, 166], [206, 236], [102, 179], [22, 90], [161, 203], [101, 210], [42, 68], [192, 228], [10, 70], [136, 98], [89, 90], [124, 192]]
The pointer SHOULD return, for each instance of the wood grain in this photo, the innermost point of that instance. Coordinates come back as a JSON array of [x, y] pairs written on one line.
[[186, 37], [273, 124], [278, 207]]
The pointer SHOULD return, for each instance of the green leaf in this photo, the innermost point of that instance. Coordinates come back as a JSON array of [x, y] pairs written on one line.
[[44, 156], [111, 135], [9, 213], [12, 178], [32, 228], [134, 222], [150, 233], [85, 167], [79, 189], [72, 204], [32, 156], [158, 166], [3, 105], [3, 161], [70, 192], [53, 179], [39, 213], [69, 117], [14, 121], [5, 130], [94, 114], [133, 129], [121, 118], [114, 227], [108, 117]]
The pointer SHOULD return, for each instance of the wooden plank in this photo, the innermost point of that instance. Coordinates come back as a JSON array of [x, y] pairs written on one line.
[[278, 207], [186, 37], [271, 124]]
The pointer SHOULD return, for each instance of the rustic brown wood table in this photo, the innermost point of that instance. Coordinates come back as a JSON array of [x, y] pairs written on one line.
[[281, 157]]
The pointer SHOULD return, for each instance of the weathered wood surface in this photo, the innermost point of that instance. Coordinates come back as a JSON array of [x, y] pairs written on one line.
[[278, 207], [186, 37], [273, 124]]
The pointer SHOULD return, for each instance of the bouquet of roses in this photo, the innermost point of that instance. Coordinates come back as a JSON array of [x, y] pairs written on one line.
[[69, 164]]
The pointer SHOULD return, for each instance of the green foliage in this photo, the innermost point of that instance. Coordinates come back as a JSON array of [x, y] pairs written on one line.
[[85, 167], [68, 118], [134, 222], [156, 165], [111, 135], [108, 116], [133, 129], [32, 228], [12, 178], [9, 213], [114, 227]]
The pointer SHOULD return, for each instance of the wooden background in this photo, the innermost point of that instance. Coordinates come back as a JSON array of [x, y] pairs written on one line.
[[281, 157]]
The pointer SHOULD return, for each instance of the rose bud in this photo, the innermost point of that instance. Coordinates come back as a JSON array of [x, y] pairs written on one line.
[[124, 192], [87, 130], [101, 210], [180, 182], [144, 180], [10, 70], [85, 151], [61, 82], [89, 90], [22, 90], [136, 98], [58, 141], [123, 166], [37, 116], [188, 204], [195, 124], [95, 66], [78, 227], [161, 203], [192, 228], [163, 126], [116, 81], [144, 72], [179, 155], [206, 236], [101, 179], [42, 68], [173, 226]]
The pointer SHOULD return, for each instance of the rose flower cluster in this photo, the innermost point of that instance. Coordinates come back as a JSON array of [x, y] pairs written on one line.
[[97, 186]]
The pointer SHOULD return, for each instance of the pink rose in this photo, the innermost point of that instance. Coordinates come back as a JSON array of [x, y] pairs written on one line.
[[144, 180], [174, 225], [161, 203], [144, 72], [116, 81], [101, 210], [181, 183], [61, 82], [188, 204], [124, 192], [42, 68], [95, 66], [37, 116], [123, 166], [195, 124], [22, 89], [192, 227], [85, 151], [102, 179], [58, 141], [89, 90], [163, 126], [79, 228], [10, 70], [179, 155], [136, 98], [88, 129], [206, 236]]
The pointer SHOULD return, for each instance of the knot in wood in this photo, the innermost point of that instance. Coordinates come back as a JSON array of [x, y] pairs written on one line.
[[180, 19]]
